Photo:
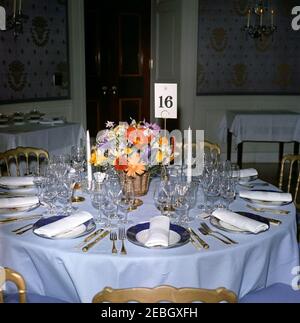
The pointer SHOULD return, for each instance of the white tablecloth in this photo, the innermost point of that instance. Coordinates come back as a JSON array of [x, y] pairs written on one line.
[[56, 268], [57, 139], [269, 126]]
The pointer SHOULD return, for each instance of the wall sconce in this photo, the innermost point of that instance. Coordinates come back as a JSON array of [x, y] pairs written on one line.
[[2, 18], [16, 21]]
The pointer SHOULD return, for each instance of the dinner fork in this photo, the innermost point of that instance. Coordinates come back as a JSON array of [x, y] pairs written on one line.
[[114, 238], [209, 230], [206, 233], [122, 237]]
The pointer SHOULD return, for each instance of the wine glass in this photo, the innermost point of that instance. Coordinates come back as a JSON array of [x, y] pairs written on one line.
[[126, 200], [49, 194], [163, 197], [235, 173], [98, 193], [228, 191]]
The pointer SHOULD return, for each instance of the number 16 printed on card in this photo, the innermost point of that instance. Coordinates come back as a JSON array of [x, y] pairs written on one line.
[[165, 101]]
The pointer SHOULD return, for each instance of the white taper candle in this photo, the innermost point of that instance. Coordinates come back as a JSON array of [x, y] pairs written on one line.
[[88, 158], [189, 155]]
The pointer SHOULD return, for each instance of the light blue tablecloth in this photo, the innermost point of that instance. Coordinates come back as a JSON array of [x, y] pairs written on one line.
[[56, 268]]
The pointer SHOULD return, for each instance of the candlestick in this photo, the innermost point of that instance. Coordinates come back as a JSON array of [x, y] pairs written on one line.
[[272, 17], [14, 8], [261, 17], [88, 158], [249, 15], [189, 155], [20, 6]]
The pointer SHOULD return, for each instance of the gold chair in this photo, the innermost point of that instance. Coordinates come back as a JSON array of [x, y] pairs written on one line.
[[15, 155], [212, 147], [165, 294], [6, 275], [291, 163]]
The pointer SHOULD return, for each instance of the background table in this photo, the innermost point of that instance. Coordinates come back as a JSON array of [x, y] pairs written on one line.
[[56, 268], [260, 126], [56, 139]]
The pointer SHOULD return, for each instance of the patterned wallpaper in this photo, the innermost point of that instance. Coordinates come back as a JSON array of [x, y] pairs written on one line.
[[29, 62], [229, 63]]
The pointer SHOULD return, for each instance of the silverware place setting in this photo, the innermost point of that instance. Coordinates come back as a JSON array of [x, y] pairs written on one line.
[[18, 219], [99, 238], [206, 230], [122, 238], [268, 210], [194, 236], [89, 238], [113, 237], [24, 229]]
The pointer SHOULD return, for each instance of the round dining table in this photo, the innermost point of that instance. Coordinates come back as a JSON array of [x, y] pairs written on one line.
[[59, 269]]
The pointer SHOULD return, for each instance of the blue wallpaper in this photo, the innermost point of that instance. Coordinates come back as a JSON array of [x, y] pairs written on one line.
[[231, 63], [30, 63]]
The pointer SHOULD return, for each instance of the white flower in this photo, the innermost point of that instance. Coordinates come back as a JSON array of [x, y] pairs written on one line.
[[110, 124]]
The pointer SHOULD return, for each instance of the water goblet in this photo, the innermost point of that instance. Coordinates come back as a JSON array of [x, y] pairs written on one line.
[[98, 193]]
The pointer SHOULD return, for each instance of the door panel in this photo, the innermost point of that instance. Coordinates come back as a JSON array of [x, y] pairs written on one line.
[[117, 60]]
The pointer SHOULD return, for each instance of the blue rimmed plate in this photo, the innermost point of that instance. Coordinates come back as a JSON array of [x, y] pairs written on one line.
[[138, 234], [78, 232]]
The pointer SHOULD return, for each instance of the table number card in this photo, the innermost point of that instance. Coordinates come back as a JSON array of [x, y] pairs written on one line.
[[165, 101]]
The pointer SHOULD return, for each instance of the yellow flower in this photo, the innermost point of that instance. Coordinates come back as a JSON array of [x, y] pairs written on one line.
[[128, 151], [163, 141], [160, 157], [97, 158], [135, 166]]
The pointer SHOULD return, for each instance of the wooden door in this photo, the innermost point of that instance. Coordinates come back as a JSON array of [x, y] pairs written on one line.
[[117, 61]]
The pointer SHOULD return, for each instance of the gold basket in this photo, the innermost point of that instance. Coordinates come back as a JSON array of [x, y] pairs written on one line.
[[140, 183]]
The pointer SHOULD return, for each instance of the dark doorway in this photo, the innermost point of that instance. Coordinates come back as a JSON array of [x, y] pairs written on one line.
[[118, 37]]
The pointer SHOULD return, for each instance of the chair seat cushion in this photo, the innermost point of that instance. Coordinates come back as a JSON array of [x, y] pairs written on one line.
[[31, 298], [277, 293]]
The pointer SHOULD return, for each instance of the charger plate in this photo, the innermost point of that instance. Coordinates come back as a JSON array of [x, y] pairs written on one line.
[[138, 234]]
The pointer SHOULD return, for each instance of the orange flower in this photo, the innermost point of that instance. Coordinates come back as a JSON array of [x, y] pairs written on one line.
[[121, 164], [135, 166], [137, 137]]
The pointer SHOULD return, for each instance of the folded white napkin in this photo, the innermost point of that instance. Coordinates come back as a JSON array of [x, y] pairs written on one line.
[[240, 221], [267, 196], [7, 203], [244, 173], [58, 121], [17, 181], [158, 232], [64, 225]]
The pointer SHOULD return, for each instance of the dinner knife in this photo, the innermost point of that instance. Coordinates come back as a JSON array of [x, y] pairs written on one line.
[[92, 244], [202, 242], [89, 238], [194, 243], [260, 218], [10, 220]]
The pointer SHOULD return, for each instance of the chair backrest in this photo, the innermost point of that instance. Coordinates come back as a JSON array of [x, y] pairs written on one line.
[[212, 147], [14, 155], [8, 275], [165, 294], [290, 163]]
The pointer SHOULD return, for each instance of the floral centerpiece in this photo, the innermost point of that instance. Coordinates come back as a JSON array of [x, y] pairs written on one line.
[[135, 151]]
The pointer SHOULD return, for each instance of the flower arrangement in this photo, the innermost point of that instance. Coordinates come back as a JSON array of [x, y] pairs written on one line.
[[133, 149]]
